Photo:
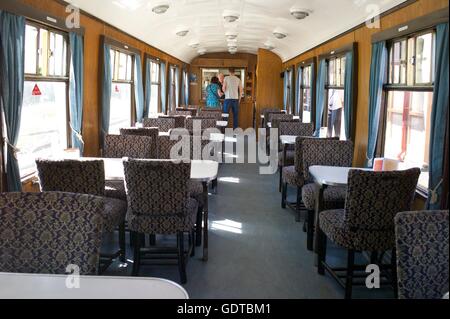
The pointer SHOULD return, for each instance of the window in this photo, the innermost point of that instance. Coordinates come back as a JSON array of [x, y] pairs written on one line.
[[305, 97], [155, 78], [121, 91], [44, 129], [334, 115], [409, 97]]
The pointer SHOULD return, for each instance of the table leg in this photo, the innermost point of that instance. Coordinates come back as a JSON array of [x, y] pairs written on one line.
[[319, 208], [205, 222]]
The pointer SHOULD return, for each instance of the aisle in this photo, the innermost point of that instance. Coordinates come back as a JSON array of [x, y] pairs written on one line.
[[257, 250]]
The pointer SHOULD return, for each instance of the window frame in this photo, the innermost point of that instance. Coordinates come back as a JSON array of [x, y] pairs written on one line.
[[126, 49], [414, 87], [156, 60], [46, 78], [304, 64]]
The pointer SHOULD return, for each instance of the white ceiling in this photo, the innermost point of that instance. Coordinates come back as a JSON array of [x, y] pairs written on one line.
[[258, 19]]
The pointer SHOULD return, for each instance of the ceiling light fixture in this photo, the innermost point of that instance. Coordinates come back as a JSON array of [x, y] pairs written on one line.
[[269, 46], [160, 9], [194, 45], [182, 32], [201, 51], [231, 35], [230, 16], [299, 13], [279, 34]]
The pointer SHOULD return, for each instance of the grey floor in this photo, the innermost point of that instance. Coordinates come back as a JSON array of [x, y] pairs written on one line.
[[257, 250]]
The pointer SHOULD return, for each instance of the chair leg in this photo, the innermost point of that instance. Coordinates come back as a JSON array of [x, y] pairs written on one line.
[[198, 227], [122, 243], [284, 195], [394, 272], [137, 253], [181, 259], [280, 185], [322, 252], [192, 242], [310, 230], [349, 278], [297, 206]]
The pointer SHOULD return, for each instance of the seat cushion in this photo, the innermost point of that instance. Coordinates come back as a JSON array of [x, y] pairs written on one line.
[[196, 192], [115, 189], [333, 196], [164, 224], [288, 161], [114, 213], [332, 224], [291, 177]]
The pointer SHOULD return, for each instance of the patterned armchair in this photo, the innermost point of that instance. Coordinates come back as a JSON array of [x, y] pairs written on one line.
[[276, 118], [84, 177], [422, 254], [265, 111], [206, 123], [45, 232], [119, 146], [139, 131], [165, 124], [211, 115], [180, 120], [180, 113], [367, 222], [159, 203], [327, 152]]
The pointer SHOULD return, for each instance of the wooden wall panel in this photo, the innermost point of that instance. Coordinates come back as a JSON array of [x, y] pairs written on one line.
[[94, 29], [269, 92]]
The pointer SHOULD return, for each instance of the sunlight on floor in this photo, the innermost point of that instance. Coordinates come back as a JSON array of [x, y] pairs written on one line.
[[227, 225], [233, 180]]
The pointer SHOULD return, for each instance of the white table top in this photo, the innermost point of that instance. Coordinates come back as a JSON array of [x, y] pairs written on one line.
[[201, 171], [222, 123], [225, 115], [34, 286], [331, 175], [288, 139]]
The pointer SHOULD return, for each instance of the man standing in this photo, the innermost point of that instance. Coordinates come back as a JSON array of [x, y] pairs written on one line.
[[232, 86], [335, 113]]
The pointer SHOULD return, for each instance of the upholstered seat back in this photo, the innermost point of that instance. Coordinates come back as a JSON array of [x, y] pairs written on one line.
[[118, 146], [72, 176], [374, 198], [326, 152], [196, 148], [157, 187], [210, 115], [165, 124], [422, 254], [47, 232], [205, 123], [180, 113], [295, 128], [138, 131], [278, 117]]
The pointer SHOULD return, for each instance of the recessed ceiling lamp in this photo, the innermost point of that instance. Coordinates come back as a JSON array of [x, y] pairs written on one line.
[[279, 34], [194, 44], [269, 46], [201, 51], [231, 35], [181, 32], [230, 16], [299, 13], [161, 8]]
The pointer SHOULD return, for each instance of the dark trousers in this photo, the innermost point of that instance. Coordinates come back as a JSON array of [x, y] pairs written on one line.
[[234, 105], [334, 121]]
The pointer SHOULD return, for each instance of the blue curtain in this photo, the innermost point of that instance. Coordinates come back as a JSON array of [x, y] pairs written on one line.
[[163, 88], [298, 83], [106, 90], [138, 88], [12, 59], [148, 87], [312, 85], [183, 86], [285, 89], [377, 78], [320, 95], [349, 95], [177, 87], [186, 93], [439, 117], [76, 89]]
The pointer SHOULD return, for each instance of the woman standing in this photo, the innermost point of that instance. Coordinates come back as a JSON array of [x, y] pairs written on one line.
[[213, 94]]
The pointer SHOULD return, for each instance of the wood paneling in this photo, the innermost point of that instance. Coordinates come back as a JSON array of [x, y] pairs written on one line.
[[269, 92], [94, 29]]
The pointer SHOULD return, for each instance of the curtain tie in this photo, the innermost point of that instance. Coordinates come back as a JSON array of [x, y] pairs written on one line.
[[12, 147], [434, 193], [77, 134]]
